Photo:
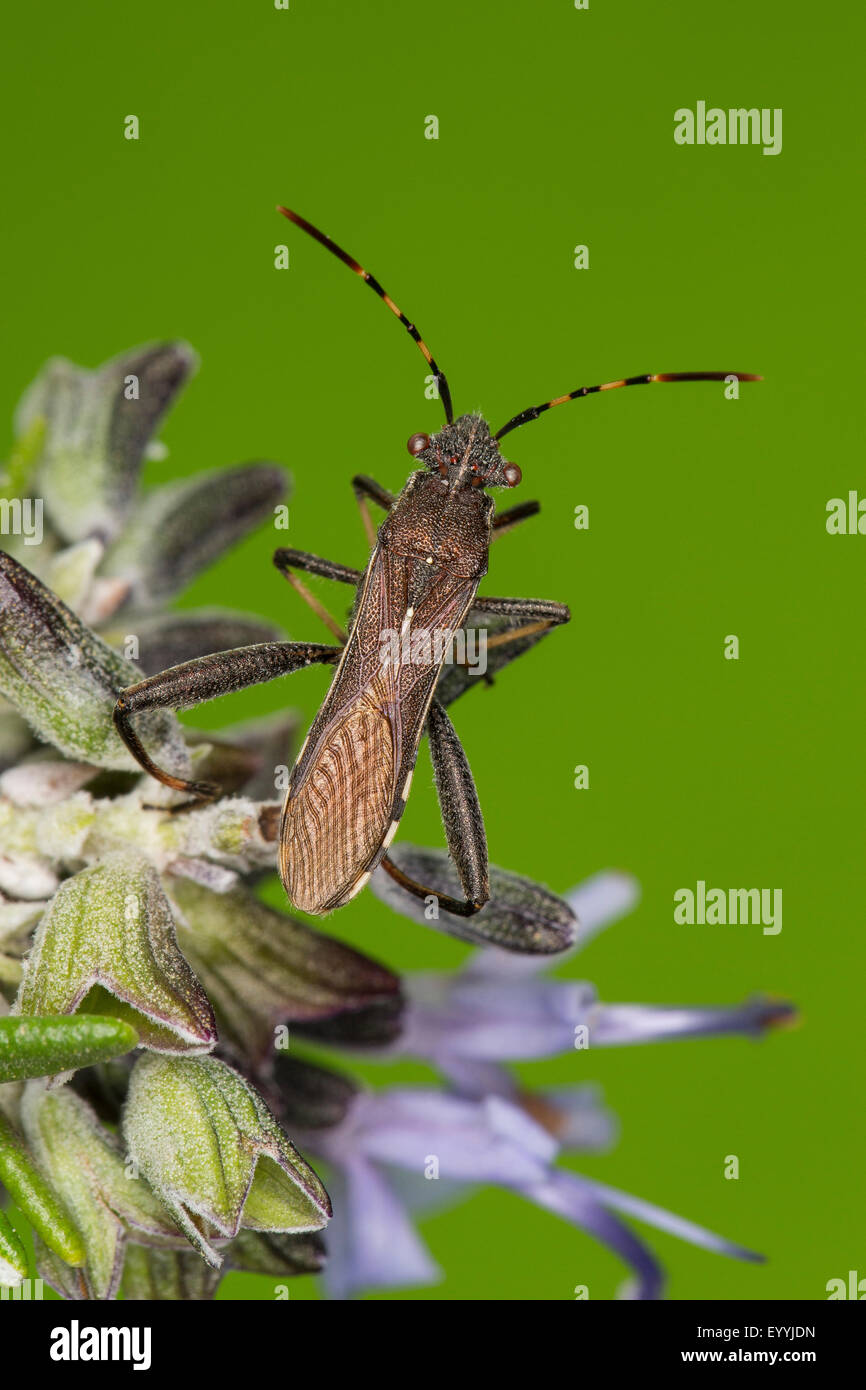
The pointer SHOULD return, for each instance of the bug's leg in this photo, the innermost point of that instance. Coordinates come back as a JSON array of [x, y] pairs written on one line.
[[495, 637], [461, 814], [204, 678], [535, 616], [512, 516], [368, 490], [287, 561]]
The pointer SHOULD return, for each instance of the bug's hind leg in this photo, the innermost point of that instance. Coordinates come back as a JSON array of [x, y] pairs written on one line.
[[287, 561], [368, 490], [204, 678], [461, 814]]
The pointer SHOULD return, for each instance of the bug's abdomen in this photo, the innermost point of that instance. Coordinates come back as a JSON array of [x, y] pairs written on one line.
[[334, 825]]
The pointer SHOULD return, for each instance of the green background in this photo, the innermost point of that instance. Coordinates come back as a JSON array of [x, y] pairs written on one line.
[[706, 516]]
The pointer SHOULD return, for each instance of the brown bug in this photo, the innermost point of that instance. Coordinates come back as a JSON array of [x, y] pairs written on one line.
[[350, 782]]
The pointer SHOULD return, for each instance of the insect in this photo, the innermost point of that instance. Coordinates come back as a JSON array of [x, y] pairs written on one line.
[[349, 785]]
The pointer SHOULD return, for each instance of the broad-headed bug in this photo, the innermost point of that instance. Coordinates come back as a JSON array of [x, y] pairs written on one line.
[[350, 782]]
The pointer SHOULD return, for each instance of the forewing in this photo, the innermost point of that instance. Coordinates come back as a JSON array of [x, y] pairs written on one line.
[[333, 826], [349, 786]]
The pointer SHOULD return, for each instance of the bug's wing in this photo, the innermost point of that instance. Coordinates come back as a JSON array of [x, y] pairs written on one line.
[[332, 828], [350, 783]]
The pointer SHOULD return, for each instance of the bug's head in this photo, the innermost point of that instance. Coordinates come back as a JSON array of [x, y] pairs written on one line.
[[466, 454]]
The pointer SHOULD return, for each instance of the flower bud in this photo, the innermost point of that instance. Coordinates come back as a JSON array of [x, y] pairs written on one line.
[[108, 938], [520, 916], [97, 426], [258, 1252], [65, 680], [180, 529], [177, 1275], [312, 1097], [212, 1151], [262, 968], [98, 1186]]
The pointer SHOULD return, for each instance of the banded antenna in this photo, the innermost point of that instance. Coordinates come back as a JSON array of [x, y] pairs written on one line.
[[533, 411], [305, 226]]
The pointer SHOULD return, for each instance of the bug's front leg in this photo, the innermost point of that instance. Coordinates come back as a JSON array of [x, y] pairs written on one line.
[[368, 490], [461, 814], [512, 516], [194, 682], [287, 561]]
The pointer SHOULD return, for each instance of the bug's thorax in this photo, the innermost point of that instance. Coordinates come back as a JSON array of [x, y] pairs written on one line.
[[440, 526], [444, 516]]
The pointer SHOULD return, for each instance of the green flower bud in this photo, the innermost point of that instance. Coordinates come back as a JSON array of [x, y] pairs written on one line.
[[98, 1186], [97, 425], [107, 941], [17, 920], [17, 475], [44, 1046], [210, 1148], [65, 680], [180, 529], [70, 572]]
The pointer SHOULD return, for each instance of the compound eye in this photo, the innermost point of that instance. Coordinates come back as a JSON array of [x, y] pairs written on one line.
[[417, 443], [512, 474]]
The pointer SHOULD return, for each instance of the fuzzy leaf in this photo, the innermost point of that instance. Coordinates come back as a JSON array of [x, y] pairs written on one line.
[[13, 1256], [30, 1192], [43, 1046]]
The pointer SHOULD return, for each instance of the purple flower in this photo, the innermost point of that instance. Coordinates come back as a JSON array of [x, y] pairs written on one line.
[[501, 1008], [398, 1151], [395, 1150]]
